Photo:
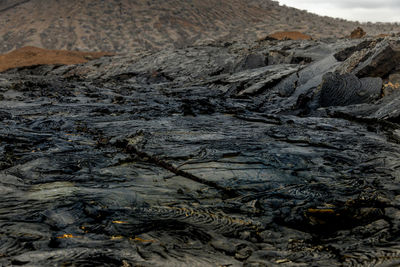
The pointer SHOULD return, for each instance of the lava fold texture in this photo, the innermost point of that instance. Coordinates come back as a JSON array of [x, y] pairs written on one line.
[[204, 156]]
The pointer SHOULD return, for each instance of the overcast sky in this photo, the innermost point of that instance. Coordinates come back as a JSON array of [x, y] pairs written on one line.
[[361, 10]]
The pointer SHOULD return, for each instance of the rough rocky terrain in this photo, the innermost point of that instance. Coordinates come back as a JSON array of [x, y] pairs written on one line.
[[284, 153], [126, 25], [287, 36]]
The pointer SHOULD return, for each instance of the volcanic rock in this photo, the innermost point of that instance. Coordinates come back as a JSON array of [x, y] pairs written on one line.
[[162, 159], [379, 59], [347, 89], [289, 36], [253, 61], [346, 53]]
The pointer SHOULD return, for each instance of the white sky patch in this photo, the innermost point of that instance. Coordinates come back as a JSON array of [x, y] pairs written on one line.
[[367, 10]]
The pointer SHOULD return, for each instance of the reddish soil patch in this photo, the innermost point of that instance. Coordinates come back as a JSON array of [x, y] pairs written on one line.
[[358, 33], [31, 56], [289, 36], [383, 35]]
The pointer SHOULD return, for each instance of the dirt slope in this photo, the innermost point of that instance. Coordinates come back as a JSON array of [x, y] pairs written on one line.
[[126, 25], [31, 56]]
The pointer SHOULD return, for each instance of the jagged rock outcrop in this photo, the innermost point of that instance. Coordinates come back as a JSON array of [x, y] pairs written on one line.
[[346, 53], [378, 59], [347, 89], [288, 36], [203, 156]]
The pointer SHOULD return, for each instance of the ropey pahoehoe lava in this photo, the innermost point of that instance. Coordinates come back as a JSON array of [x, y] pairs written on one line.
[[204, 133], [280, 153]]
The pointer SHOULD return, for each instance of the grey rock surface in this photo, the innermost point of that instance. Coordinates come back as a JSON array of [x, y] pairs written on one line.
[[190, 158], [347, 89], [375, 59]]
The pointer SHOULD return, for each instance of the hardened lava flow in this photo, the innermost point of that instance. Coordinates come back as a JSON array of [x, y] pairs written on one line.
[[281, 153]]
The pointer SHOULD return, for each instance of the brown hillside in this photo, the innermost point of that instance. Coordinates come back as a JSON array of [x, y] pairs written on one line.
[[129, 26], [31, 56]]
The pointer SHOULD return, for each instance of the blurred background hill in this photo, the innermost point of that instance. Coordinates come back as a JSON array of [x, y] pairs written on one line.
[[127, 26]]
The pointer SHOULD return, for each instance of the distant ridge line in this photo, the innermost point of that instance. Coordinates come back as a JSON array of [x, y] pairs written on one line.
[[125, 26]]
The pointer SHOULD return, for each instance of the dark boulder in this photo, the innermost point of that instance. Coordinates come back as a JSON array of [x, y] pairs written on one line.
[[305, 80], [381, 63], [253, 61], [379, 59], [278, 57], [284, 57], [347, 52], [347, 89]]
